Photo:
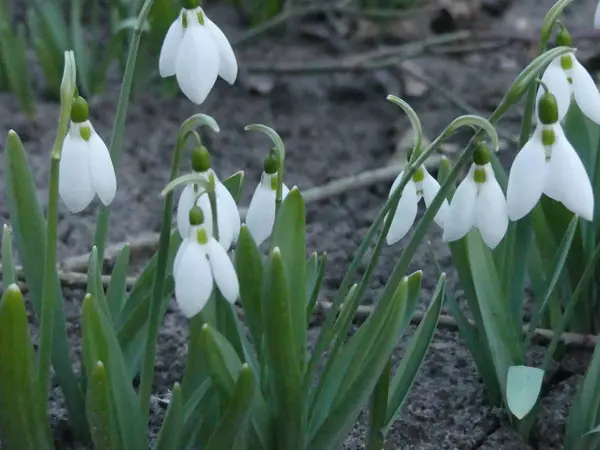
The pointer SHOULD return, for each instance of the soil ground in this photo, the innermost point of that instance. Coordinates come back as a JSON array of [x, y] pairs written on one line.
[[334, 125]]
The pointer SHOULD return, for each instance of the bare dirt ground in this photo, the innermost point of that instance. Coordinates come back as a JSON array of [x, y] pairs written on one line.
[[308, 82]]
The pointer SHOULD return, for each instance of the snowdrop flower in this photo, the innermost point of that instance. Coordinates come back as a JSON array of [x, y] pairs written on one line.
[[548, 164], [597, 16], [261, 212], [478, 202], [196, 51], [228, 216], [421, 185], [86, 168], [200, 263], [566, 78]]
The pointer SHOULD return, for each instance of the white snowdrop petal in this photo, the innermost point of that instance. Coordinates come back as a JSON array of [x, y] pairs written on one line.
[[569, 177], [284, 191], [597, 16], [556, 80], [223, 271], [430, 190], [228, 67], [193, 280], [491, 215], [197, 64], [527, 178], [396, 183], [461, 212], [261, 214], [75, 184], [170, 48], [223, 220], [227, 202], [405, 215], [585, 91], [185, 204], [101, 169], [180, 252]]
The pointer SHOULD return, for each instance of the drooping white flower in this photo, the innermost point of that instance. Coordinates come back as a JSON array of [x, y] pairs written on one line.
[[86, 168], [228, 215], [200, 263], [478, 202], [548, 164], [597, 16], [421, 185], [566, 78], [261, 212], [196, 51]]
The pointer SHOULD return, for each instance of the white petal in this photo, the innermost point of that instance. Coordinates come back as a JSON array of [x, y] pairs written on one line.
[[170, 48], [555, 79], [193, 280], [284, 191], [185, 204], [527, 178], [227, 202], [75, 183], [197, 64], [101, 169], [585, 91], [406, 212], [430, 190], [491, 215], [223, 221], [569, 178], [180, 252], [597, 16], [228, 67], [261, 213], [461, 213], [396, 183], [223, 271]]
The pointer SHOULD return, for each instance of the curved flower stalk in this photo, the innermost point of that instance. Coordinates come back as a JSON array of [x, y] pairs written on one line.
[[548, 164], [228, 215], [566, 78], [421, 185], [478, 202], [199, 264], [196, 51], [86, 168], [261, 212]]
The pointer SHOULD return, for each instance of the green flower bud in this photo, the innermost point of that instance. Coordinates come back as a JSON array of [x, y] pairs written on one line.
[[479, 175], [271, 164], [200, 159], [548, 137], [190, 4], [482, 154], [80, 111], [548, 109], [563, 38], [196, 216], [419, 175]]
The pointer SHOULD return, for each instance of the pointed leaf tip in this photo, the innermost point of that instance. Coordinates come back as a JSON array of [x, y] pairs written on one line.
[[523, 388]]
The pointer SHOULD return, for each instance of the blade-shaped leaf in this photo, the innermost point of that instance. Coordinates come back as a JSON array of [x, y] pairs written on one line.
[[523, 387], [8, 265], [100, 411], [115, 294], [23, 420], [29, 228], [314, 281], [234, 185], [170, 431]]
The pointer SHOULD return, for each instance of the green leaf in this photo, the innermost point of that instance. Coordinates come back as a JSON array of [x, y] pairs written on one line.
[[523, 387], [115, 294], [280, 344], [29, 228], [170, 431], [24, 424], [415, 353], [314, 281], [83, 53], [100, 344], [94, 285], [234, 185], [289, 234], [100, 411], [503, 337], [355, 395], [238, 410], [49, 57], [8, 265]]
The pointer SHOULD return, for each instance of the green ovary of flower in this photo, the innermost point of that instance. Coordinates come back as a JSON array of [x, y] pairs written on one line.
[[548, 109], [482, 154], [196, 216], [80, 111], [200, 159], [191, 4]]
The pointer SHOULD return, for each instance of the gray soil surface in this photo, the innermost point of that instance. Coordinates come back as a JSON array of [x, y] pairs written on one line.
[[334, 125]]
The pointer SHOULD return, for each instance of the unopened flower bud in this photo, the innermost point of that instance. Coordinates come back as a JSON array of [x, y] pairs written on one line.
[[196, 216], [548, 109], [80, 111], [482, 154], [200, 159]]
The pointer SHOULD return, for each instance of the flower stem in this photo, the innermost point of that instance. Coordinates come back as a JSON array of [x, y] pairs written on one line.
[[116, 141], [147, 371]]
